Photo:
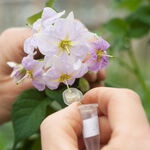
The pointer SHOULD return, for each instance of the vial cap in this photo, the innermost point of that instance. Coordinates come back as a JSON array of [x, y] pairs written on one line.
[[72, 95]]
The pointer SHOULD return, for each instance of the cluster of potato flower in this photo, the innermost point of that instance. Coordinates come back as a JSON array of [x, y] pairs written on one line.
[[67, 50]]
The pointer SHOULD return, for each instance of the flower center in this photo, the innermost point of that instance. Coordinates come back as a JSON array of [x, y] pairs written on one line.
[[99, 53], [29, 72], [64, 77], [65, 45], [23, 71]]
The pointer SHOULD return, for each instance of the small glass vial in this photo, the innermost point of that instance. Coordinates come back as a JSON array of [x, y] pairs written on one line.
[[91, 132]]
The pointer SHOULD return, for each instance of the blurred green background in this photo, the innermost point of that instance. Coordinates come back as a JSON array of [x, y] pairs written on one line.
[[124, 23]]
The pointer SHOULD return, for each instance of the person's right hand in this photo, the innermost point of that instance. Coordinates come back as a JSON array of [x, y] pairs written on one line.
[[123, 123]]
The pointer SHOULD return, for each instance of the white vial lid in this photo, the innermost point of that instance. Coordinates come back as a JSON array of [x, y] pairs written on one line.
[[88, 110], [72, 95], [88, 106]]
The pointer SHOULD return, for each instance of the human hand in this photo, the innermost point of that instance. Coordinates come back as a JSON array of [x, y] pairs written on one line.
[[11, 49], [123, 123]]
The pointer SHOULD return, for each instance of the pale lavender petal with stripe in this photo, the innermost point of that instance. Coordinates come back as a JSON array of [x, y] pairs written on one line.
[[98, 55], [35, 70], [64, 71]]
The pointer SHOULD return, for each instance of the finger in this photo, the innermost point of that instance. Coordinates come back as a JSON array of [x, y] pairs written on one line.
[[13, 88], [105, 130], [94, 85], [101, 75], [95, 76], [123, 108], [14, 91], [91, 76], [15, 38], [61, 130], [67, 123], [13, 50]]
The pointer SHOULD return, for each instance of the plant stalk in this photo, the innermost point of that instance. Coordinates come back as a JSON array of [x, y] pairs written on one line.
[[138, 73]]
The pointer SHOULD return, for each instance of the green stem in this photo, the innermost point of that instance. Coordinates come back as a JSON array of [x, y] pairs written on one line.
[[126, 65], [68, 86], [138, 73]]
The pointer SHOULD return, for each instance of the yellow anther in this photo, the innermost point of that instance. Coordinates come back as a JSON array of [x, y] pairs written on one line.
[[65, 45], [29, 72], [64, 77], [99, 53]]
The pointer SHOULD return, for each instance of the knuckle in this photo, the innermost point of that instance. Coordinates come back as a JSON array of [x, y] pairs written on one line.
[[47, 122], [15, 31], [98, 90], [9, 31], [131, 93]]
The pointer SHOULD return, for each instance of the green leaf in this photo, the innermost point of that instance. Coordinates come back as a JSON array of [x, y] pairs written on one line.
[[142, 14], [56, 95], [34, 18], [107, 84], [128, 4], [36, 145], [139, 22], [117, 26], [50, 3], [28, 112], [32, 94], [84, 85], [119, 43], [38, 15], [137, 28]]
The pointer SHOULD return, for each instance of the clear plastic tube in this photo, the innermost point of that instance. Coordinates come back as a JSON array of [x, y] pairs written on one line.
[[91, 132], [90, 119]]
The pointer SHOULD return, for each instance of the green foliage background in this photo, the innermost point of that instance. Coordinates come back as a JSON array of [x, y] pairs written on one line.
[[126, 70], [122, 32]]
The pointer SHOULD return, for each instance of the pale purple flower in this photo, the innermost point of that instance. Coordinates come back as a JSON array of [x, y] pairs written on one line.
[[68, 37], [64, 71], [98, 55], [35, 71], [49, 16], [64, 44], [30, 45], [18, 73]]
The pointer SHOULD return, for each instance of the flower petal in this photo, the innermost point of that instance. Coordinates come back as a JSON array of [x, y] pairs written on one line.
[[52, 84], [38, 84]]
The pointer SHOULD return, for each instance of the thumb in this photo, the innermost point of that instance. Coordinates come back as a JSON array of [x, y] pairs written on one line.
[[65, 126]]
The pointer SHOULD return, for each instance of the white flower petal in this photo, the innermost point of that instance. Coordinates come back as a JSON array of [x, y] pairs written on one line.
[[11, 64]]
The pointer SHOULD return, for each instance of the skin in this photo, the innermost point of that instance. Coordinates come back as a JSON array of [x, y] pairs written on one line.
[[123, 123], [11, 49]]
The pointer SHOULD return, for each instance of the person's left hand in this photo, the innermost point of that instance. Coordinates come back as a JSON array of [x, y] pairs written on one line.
[[11, 49]]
